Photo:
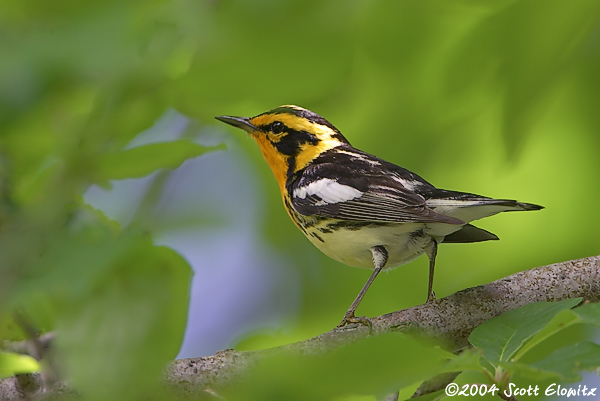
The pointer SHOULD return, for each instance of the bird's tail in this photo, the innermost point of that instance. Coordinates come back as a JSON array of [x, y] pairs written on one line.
[[527, 206]]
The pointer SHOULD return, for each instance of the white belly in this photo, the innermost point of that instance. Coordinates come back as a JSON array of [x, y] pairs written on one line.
[[352, 246]]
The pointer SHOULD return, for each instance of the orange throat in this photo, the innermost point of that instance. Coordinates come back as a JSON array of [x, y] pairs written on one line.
[[276, 161]]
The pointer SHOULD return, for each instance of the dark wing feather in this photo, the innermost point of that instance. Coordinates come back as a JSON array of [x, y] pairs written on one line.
[[382, 195], [470, 233], [386, 206]]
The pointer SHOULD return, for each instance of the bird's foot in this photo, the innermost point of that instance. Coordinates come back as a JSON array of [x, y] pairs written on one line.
[[430, 298], [349, 318]]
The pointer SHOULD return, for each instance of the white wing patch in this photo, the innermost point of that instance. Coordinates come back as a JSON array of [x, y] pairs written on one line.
[[330, 191], [410, 185], [359, 156]]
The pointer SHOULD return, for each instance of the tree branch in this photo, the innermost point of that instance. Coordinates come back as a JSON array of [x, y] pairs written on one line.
[[449, 320]]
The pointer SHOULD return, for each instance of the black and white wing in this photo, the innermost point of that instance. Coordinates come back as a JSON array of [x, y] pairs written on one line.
[[352, 185], [469, 207]]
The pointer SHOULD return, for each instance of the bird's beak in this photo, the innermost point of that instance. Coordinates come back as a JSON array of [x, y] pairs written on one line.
[[239, 122]]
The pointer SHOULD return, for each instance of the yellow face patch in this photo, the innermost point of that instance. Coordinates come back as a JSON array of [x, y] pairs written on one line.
[[307, 151], [286, 139]]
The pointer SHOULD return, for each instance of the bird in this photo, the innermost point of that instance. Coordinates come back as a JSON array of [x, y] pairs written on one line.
[[357, 208]]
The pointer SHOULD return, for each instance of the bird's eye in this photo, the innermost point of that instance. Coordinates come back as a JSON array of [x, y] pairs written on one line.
[[277, 127]]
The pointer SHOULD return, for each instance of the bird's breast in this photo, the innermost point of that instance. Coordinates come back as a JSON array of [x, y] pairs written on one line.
[[350, 242]]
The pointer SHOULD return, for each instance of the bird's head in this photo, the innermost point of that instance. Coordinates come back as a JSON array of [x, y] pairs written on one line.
[[289, 137]]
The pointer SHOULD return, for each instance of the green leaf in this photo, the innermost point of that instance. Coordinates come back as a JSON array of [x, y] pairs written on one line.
[[376, 365], [589, 313], [529, 372], [130, 322], [12, 364], [143, 160], [501, 337], [562, 320], [569, 360], [466, 360], [436, 395]]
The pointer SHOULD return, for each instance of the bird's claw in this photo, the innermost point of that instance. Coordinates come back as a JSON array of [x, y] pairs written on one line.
[[349, 318]]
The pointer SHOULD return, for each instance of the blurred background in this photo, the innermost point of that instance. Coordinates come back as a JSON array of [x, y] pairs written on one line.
[[495, 98]]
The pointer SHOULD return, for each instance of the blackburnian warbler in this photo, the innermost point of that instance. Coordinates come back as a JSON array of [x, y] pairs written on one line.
[[357, 208]]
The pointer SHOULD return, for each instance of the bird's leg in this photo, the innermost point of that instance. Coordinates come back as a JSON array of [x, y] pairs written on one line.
[[431, 250], [380, 257]]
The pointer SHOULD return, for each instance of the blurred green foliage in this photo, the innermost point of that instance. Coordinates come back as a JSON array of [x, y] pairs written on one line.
[[357, 369], [11, 363], [498, 98]]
